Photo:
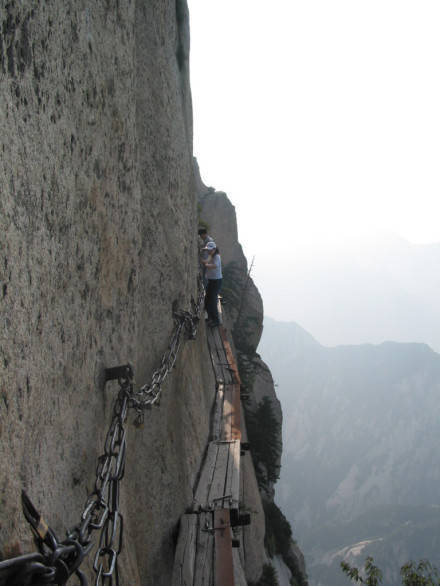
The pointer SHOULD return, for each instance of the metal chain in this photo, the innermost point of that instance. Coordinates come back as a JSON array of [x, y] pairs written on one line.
[[149, 393], [58, 561], [101, 511]]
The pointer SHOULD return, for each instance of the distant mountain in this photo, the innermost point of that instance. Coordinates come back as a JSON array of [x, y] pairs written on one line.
[[370, 290], [361, 465]]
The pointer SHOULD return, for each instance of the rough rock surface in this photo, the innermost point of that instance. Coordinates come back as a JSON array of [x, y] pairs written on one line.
[[98, 239]]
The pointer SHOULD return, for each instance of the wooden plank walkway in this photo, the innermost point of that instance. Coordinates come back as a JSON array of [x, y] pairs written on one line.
[[204, 555], [183, 571], [220, 478], [224, 567]]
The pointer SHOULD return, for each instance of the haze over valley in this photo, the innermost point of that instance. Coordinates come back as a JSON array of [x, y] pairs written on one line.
[[366, 290], [360, 468]]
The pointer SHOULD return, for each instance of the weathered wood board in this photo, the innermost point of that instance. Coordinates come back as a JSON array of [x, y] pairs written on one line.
[[204, 560], [204, 554], [228, 413], [219, 359], [239, 575], [201, 497], [218, 486], [236, 426], [229, 355], [231, 413], [184, 560], [217, 496], [217, 416], [232, 484], [224, 568]]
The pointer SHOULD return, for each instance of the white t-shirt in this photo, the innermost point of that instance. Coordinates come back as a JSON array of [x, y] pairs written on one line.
[[217, 272]]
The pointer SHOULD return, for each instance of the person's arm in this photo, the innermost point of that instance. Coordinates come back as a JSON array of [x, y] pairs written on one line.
[[210, 262]]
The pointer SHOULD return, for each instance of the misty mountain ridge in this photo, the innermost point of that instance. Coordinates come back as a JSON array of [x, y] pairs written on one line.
[[360, 469], [367, 290]]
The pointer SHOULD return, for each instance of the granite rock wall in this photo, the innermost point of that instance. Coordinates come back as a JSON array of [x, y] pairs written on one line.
[[97, 244]]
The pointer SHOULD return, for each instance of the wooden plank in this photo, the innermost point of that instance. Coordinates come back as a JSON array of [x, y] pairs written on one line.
[[229, 355], [217, 339], [220, 311], [238, 563], [231, 360], [242, 483], [218, 370], [224, 569], [220, 337], [231, 413], [222, 359], [236, 420], [184, 560], [218, 413], [227, 416], [204, 560], [217, 488], [233, 479], [218, 357], [201, 496]]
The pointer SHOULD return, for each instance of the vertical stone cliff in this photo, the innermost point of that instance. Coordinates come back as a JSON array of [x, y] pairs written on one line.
[[98, 241]]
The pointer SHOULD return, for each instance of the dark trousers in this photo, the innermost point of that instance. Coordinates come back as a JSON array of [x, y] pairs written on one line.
[[212, 290]]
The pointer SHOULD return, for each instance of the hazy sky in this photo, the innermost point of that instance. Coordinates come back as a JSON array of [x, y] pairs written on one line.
[[319, 118]]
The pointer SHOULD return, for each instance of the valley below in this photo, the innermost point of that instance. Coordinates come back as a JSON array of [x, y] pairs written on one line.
[[360, 470]]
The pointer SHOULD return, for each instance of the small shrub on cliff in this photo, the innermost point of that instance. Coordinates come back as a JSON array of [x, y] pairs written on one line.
[[247, 371], [421, 573], [370, 574], [278, 541], [278, 531], [268, 577], [264, 432]]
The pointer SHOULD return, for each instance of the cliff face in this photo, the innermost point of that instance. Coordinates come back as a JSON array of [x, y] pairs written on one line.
[[98, 239]]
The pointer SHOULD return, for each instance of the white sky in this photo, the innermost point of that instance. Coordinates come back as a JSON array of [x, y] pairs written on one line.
[[319, 118]]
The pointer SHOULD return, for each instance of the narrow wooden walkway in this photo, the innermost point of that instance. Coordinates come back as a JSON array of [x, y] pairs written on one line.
[[204, 555]]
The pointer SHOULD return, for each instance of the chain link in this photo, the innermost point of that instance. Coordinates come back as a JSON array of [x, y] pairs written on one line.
[[185, 321], [58, 561], [101, 512]]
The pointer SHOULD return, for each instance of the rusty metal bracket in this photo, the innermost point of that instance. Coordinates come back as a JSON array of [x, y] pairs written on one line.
[[238, 520], [123, 372]]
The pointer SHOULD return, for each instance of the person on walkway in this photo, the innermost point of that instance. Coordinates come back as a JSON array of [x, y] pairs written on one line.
[[204, 238], [213, 264]]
